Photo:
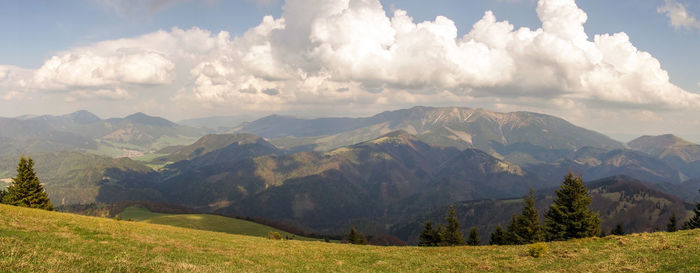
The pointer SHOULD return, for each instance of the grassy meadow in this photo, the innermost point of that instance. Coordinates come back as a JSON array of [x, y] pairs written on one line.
[[40, 241], [205, 222]]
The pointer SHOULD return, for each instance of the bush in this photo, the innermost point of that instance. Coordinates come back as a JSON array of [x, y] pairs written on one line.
[[274, 235], [537, 250]]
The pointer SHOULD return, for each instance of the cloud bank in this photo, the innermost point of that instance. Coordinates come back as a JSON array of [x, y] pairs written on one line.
[[344, 52]]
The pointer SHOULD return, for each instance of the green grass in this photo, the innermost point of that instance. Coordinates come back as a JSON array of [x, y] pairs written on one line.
[[148, 158], [41, 241], [138, 214], [205, 222], [165, 141]]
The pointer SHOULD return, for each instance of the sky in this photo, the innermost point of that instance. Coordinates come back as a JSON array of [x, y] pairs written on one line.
[[625, 68]]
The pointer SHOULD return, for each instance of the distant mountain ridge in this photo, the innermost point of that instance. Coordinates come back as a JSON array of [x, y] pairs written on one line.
[[492, 132], [675, 151], [84, 130]]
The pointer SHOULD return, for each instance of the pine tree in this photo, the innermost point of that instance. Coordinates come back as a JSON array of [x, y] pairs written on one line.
[[498, 237], [570, 215], [525, 228], [452, 235], [3, 192], [694, 222], [356, 238], [473, 239], [672, 225], [618, 230], [429, 236], [26, 189]]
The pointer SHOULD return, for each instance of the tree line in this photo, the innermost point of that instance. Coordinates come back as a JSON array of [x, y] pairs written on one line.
[[569, 217]]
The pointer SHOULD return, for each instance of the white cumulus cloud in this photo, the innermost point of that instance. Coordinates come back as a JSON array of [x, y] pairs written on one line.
[[145, 61], [353, 43], [678, 15], [326, 53]]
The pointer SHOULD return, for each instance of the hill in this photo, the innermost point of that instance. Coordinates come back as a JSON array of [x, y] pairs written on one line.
[[205, 144], [675, 151], [71, 243], [205, 222], [373, 181], [595, 163]]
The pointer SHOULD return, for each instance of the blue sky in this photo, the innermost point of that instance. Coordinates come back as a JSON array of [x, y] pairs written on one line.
[[34, 32]]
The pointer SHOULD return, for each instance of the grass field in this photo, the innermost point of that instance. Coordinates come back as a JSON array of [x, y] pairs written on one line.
[[40, 241], [147, 158], [205, 222]]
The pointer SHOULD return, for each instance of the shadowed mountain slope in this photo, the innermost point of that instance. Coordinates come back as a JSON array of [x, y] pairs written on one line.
[[618, 200]]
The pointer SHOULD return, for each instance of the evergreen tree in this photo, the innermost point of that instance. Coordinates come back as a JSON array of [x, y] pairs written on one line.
[[26, 189], [452, 235], [570, 216], [3, 192], [473, 239], [525, 228], [618, 230], [694, 222], [672, 225], [429, 236], [356, 238], [499, 237]]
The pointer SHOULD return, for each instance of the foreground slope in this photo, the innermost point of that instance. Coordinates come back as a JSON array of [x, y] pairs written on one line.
[[41, 241]]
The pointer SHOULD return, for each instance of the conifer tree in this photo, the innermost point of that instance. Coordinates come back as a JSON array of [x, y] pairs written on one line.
[[672, 225], [525, 228], [694, 222], [356, 238], [498, 237], [429, 236], [473, 239], [26, 189], [451, 234], [570, 215], [618, 230], [3, 192]]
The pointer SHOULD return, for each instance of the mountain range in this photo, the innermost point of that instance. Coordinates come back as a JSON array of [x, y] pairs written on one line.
[[383, 173], [83, 130]]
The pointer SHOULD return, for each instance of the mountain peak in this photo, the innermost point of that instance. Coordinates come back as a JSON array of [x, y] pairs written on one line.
[[656, 145], [142, 118], [82, 117]]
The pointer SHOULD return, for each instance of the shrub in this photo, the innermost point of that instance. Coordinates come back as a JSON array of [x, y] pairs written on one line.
[[537, 250], [274, 235]]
